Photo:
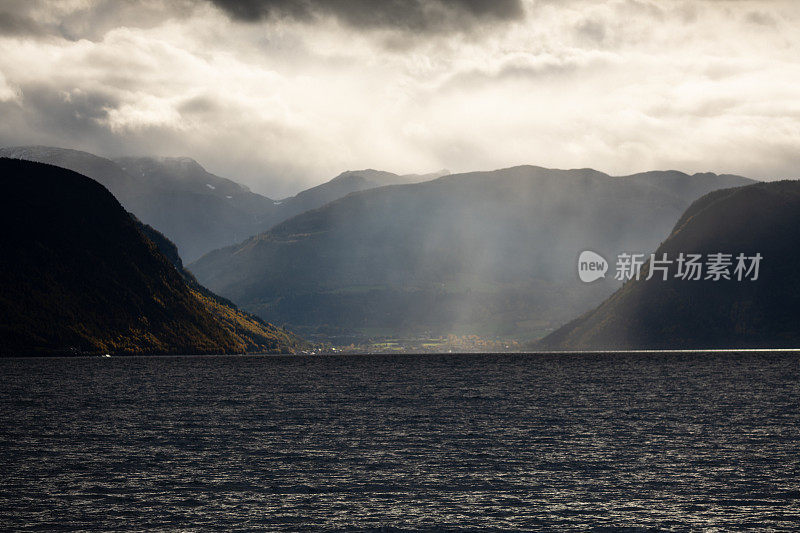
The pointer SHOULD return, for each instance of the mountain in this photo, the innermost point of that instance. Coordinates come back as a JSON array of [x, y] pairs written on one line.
[[198, 210], [103, 170], [697, 314], [489, 253], [79, 275], [342, 185], [251, 334]]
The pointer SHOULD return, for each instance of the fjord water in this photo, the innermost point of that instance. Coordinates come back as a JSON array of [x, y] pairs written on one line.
[[502, 442]]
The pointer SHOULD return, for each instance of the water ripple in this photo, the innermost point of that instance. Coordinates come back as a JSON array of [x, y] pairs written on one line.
[[402, 443]]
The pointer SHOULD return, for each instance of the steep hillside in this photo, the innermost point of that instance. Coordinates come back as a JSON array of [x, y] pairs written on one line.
[[684, 313], [486, 252], [197, 210], [78, 275], [252, 334]]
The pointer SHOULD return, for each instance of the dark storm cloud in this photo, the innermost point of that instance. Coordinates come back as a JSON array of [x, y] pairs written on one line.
[[413, 15]]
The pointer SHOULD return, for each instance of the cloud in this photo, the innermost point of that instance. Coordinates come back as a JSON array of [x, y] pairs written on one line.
[[86, 19], [593, 30], [526, 68], [7, 92], [289, 99], [760, 18], [15, 24], [412, 15]]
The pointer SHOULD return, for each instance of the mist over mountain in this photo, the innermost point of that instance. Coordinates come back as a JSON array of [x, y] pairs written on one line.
[[762, 313], [79, 275], [483, 252]]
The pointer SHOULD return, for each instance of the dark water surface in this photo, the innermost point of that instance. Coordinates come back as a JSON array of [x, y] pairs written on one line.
[[467, 442]]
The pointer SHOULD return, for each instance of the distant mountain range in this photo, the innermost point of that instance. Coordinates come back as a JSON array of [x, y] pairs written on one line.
[[344, 184], [699, 314], [485, 252], [198, 210], [372, 253], [79, 275]]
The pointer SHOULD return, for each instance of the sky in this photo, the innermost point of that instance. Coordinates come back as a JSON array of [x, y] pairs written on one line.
[[284, 94]]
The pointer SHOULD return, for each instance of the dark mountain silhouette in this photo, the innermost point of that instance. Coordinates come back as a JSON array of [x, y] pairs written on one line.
[[484, 252], [198, 210], [103, 170], [655, 314], [79, 275]]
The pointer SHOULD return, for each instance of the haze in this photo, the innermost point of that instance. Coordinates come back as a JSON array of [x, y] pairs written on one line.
[[283, 95]]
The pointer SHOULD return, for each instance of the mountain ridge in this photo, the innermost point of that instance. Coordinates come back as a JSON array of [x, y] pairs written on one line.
[[759, 219], [198, 210], [79, 276], [463, 249]]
